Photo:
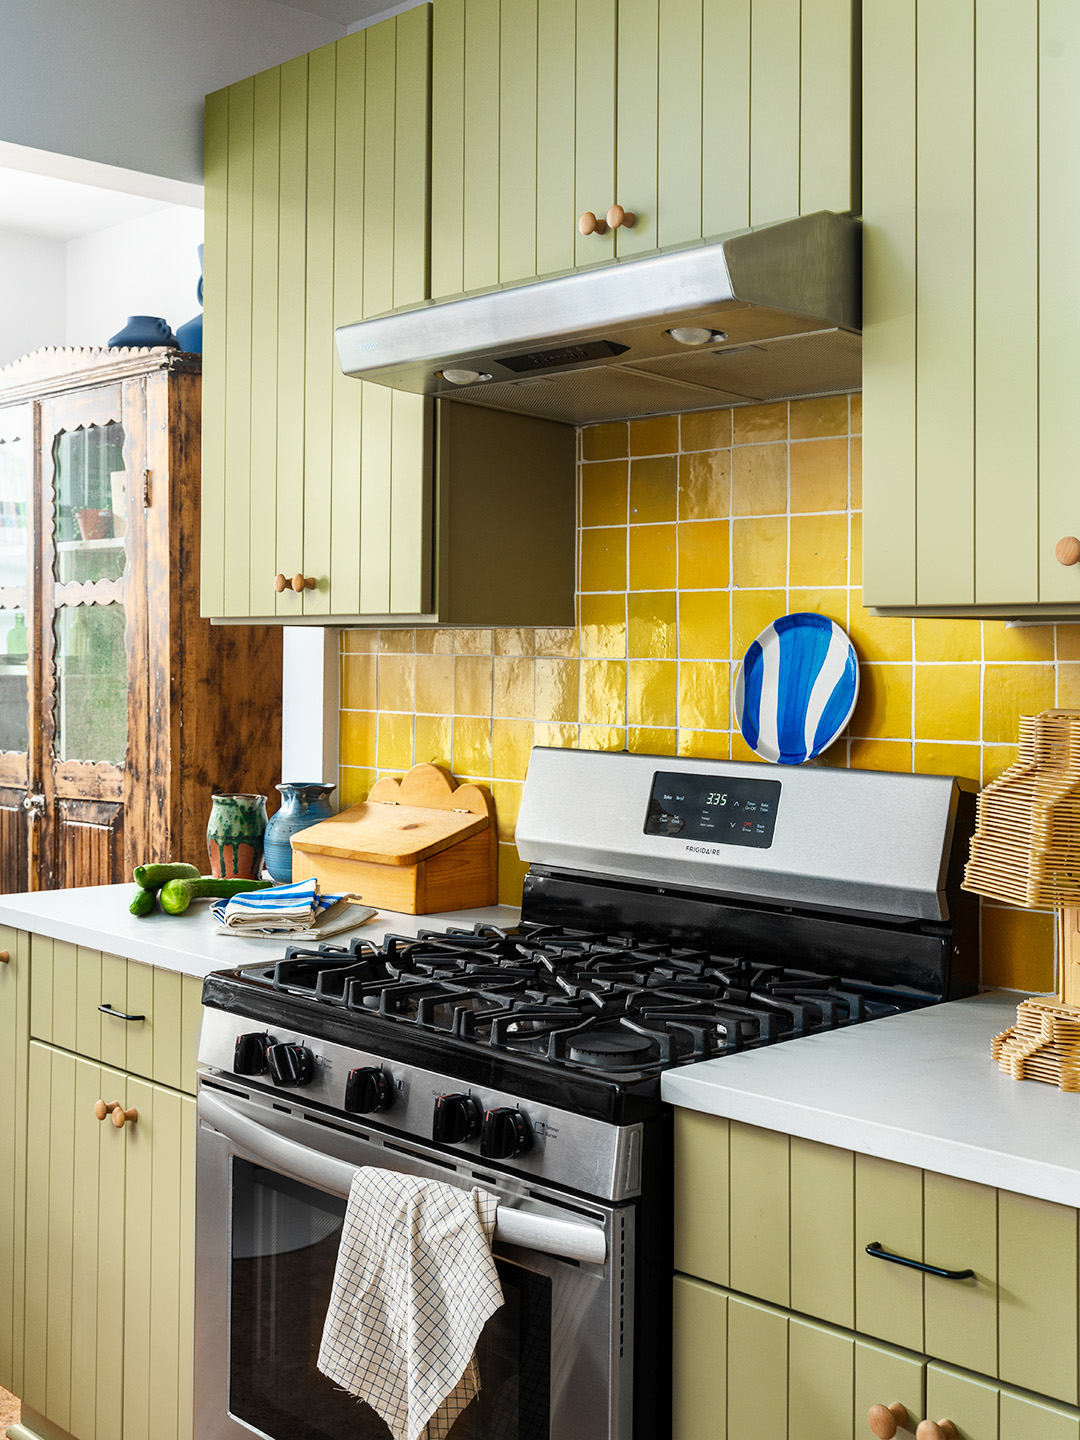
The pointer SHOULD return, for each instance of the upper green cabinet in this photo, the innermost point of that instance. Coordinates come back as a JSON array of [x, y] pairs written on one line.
[[971, 139], [696, 116]]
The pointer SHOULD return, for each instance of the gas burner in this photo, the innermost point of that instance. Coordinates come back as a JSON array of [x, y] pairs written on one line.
[[610, 1050]]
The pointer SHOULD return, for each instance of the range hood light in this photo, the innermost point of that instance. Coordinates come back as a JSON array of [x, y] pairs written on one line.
[[463, 377], [695, 335]]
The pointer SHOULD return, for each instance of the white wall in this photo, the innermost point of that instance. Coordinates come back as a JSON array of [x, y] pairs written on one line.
[[147, 266], [33, 294]]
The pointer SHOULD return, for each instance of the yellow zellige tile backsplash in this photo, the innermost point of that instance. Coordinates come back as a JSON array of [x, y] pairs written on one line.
[[695, 532]]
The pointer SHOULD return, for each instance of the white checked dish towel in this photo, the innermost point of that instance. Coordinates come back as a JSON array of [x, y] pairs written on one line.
[[414, 1285]]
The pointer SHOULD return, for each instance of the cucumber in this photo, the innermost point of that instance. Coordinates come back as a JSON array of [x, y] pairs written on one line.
[[177, 895], [143, 902], [153, 877]]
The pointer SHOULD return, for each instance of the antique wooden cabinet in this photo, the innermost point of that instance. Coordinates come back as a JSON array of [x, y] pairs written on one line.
[[120, 709]]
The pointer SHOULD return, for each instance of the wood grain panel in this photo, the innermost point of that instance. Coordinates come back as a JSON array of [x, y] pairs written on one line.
[[13, 842], [91, 841]]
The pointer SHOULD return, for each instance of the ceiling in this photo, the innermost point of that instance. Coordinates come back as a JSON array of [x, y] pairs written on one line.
[[351, 13], [55, 209]]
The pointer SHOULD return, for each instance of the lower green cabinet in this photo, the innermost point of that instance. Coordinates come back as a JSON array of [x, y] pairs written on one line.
[[109, 1253]]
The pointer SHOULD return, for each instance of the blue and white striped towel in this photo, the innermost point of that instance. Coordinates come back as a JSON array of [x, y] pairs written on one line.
[[288, 910]]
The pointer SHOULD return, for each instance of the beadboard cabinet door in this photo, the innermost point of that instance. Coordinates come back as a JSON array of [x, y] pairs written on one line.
[[697, 116], [316, 214], [971, 338], [14, 1039], [110, 1257]]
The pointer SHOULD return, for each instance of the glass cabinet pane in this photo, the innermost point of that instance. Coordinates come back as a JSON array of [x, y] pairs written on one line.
[[14, 692], [91, 503], [14, 505], [91, 704]]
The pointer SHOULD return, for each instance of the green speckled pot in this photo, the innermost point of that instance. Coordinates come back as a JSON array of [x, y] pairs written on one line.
[[234, 836]]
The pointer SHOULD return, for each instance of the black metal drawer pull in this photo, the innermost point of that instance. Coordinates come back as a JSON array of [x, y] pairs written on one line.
[[874, 1249], [108, 1010]]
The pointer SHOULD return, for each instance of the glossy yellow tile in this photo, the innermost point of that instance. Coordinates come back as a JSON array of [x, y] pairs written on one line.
[[759, 480], [556, 689], [353, 786], [507, 797], [515, 641], [934, 757], [653, 623], [996, 759], [855, 414], [652, 557], [356, 737], [947, 700], [359, 642], [514, 678], [759, 552], [1027, 642], [1017, 948], [605, 442], [1010, 691], [881, 755], [434, 739], [1068, 687], [740, 750], [754, 423], [705, 430], [603, 562], [602, 737], [434, 684], [358, 682], [651, 693], [395, 744], [751, 611], [705, 744], [396, 642], [703, 555], [604, 491], [703, 624], [855, 471], [472, 685], [831, 603], [879, 637], [396, 682], [705, 485], [821, 415], [651, 741], [703, 696], [883, 709], [658, 435], [819, 475], [603, 626], [473, 641], [603, 692], [435, 641], [948, 640], [654, 489], [512, 872], [1068, 642], [558, 641], [472, 745], [819, 550], [511, 742], [553, 733]]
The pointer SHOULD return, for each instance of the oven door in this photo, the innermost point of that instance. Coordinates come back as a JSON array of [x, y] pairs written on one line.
[[555, 1361]]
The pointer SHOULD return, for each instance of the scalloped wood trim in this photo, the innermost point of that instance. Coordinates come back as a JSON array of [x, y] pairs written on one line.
[[67, 366], [432, 786]]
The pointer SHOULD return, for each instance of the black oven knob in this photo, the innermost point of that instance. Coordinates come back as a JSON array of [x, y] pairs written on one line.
[[456, 1118], [250, 1056], [367, 1090], [505, 1133], [290, 1064]]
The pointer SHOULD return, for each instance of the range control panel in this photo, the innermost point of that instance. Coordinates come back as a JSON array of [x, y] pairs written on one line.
[[718, 810]]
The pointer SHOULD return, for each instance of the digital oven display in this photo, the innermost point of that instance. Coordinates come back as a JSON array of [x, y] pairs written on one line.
[[714, 808]]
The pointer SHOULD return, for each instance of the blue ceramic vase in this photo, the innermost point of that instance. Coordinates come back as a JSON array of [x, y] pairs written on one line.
[[302, 804], [144, 330], [189, 335]]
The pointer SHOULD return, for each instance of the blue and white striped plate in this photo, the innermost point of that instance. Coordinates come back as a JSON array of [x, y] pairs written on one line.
[[796, 688]]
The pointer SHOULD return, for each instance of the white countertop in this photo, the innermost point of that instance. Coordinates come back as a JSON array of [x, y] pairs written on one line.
[[920, 1088], [97, 916]]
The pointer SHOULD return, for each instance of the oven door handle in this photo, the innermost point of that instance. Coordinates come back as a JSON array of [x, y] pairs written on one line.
[[571, 1239]]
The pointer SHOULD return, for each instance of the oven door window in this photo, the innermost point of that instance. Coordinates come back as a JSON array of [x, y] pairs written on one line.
[[284, 1247]]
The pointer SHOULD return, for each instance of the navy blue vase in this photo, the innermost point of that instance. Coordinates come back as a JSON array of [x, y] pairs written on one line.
[[189, 335], [144, 330], [302, 804]]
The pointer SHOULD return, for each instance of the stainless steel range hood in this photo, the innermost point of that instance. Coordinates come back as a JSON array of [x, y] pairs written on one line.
[[776, 309]]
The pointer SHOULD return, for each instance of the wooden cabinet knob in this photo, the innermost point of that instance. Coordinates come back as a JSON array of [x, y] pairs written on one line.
[[885, 1420], [120, 1117], [943, 1430], [303, 582], [588, 224], [5, 956], [101, 1109], [280, 582], [617, 216], [1067, 550]]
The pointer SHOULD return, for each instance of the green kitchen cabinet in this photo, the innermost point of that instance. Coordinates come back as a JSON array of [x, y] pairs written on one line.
[[697, 116], [971, 343], [15, 1032]]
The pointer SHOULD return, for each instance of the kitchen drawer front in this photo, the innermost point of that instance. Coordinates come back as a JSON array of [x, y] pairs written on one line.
[[744, 1368], [70, 982], [800, 1215], [982, 1410]]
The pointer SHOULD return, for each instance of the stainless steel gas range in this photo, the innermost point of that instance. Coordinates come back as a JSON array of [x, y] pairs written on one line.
[[675, 910]]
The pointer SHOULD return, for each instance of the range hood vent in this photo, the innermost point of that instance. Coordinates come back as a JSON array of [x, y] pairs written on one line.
[[781, 303]]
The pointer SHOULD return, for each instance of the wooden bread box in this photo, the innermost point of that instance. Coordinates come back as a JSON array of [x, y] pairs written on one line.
[[417, 845]]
